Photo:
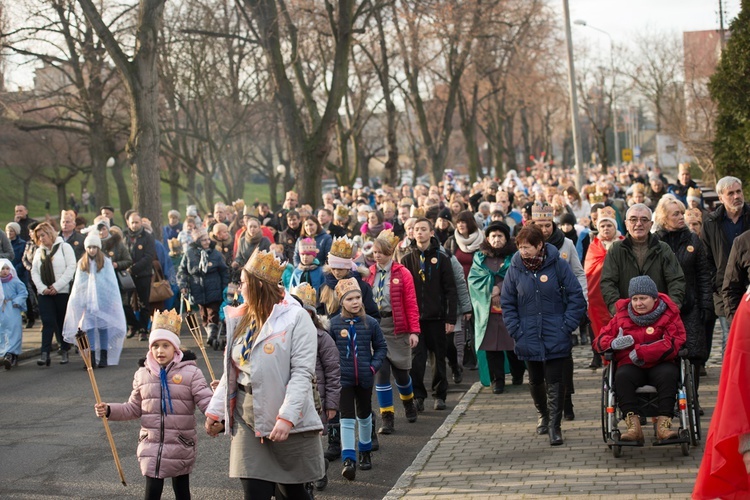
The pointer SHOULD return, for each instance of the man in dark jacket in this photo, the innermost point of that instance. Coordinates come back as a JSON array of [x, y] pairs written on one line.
[[737, 275], [69, 234], [325, 217], [290, 235], [680, 188], [720, 228], [143, 252], [641, 253], [437, 298], [23, 220]]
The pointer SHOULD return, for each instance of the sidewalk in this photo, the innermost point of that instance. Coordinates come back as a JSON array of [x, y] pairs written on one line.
[[488, 448]]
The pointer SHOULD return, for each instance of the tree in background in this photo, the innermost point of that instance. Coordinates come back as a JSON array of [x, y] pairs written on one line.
[[730, 87]]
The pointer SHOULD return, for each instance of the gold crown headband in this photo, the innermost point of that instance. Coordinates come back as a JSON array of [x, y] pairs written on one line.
[[167, 320], [265, 266]]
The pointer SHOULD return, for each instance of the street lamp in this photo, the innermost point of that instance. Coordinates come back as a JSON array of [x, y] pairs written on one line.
[[581, 22], [573, 99]]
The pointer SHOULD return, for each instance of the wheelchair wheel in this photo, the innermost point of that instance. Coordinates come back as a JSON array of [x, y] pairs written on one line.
[[694, 418], [685, 448], [605, 396]]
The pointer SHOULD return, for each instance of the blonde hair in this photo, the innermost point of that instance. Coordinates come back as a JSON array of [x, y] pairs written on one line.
[[329, 299], [261, 297], [44, 227], [662, 208], [85, 263]]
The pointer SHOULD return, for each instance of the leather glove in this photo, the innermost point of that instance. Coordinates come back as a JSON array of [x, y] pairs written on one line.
[[622, 341], [635, 359]]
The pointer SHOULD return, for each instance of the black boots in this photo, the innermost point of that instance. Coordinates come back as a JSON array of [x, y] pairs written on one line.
[[374, 434], [539, 395], [350, 469], [410, 409], [334, 442], [44, 360], [365, 461], [388, 423], [102, 359], [555, 403], [568, 413], [321, 483]]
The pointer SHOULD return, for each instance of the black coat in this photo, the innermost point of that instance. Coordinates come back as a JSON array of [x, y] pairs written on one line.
[[718, 247], [75, 241], [143, 251], [204, 287], [437, 294], [691, 254], [737, 274]]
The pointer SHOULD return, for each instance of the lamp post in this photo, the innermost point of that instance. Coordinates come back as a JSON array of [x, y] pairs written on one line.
[[573, 99], [581, 22]]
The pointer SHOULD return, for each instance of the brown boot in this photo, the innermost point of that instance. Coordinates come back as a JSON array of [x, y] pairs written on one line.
[[634, 432], [664, 428]]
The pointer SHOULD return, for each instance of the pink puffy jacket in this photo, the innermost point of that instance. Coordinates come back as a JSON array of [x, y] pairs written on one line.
[[167, 442]]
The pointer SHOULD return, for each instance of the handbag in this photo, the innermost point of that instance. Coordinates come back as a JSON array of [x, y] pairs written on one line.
[[161, 290], [125, 281]]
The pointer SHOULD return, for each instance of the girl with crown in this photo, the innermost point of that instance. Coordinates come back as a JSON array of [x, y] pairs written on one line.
[[265, 397], [166, 389]]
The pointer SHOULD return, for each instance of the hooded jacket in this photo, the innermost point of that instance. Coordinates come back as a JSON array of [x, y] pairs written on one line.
[[167, 441], [437, 295], [205, 287], [359, 364], [328, 373]]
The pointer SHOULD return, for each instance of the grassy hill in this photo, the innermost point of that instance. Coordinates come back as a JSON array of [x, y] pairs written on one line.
[[41, 191]]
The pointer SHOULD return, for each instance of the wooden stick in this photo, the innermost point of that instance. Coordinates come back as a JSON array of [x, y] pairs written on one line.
[[195, 330], [84, 349]]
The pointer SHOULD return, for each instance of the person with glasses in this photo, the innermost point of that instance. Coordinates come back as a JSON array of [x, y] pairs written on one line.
[[640, 253]]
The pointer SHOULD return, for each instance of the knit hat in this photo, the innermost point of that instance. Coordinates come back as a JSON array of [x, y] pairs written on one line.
[[606, 213], [92, 240], [165, 326], [498, 226], [341, 253], [15, 226], [101, 220], [346, 286], [541, 212], [198, 233], [642, 285], [568, 218], [308, 247], [445, 214]]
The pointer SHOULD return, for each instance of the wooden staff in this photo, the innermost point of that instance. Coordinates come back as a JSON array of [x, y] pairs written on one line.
[[195, 330], [84, 348]]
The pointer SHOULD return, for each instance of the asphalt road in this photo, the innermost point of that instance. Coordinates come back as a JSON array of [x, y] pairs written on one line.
[[53, 446]]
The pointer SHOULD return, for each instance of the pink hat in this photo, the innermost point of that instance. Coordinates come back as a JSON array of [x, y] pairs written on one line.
[[308, 247]]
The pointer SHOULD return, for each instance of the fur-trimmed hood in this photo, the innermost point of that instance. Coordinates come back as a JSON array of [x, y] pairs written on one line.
[[363, 271], [187, 355]]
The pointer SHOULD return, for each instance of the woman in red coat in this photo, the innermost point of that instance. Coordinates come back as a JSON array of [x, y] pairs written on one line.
[[646, 335], [394, 294]]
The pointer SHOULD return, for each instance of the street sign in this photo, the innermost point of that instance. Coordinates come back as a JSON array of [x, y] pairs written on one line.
[[627, 155], [637, 151]]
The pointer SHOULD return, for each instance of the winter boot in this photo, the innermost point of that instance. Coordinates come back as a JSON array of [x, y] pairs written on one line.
[[43, 360], [374, 435], [212, 331], [388, 423], [568, 408], [555, 403], [634, 432], [102, 359], [664, 428], [539, 395], [65, 358], [334, 442], [365, 461], [321, 483], [350, 469], [410, 409], [7, 361]]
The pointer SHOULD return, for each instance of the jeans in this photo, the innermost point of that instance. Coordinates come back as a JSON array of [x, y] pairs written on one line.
[[98, 337], [52, 311], [724, 334]]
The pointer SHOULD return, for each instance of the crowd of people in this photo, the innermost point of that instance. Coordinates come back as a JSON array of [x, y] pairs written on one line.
[[322, 305]]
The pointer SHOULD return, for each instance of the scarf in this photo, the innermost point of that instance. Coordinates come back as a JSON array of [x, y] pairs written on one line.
[[46, 269], [352, 344], [330, 280], [203, 264], [650, 317], [6, 279], [498, 253], [374, 231], [534, 264], [470, 244], [247, 342], [166, 397], [557, 238], [254, 240]]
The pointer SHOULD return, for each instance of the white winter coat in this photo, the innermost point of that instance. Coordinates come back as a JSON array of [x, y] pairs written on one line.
[[63, 265]]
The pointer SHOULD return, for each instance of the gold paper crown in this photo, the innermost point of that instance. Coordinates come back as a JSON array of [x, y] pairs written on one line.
[[696, 192], [390, 238], [596, 198], [406, 202], [265, 266], [417, 212], [386, 205], [174, 246], [341, 213], [684, 167], [342, 247], [693, 215], [606, 213], [239, 206], [306, 294], [167, 320], [345, 286], [541, 212], [639, 187]]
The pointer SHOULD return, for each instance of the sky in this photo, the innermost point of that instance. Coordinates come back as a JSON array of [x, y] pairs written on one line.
[[620, 18]]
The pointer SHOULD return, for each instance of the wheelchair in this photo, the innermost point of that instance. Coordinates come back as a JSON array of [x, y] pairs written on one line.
[[686, 409]]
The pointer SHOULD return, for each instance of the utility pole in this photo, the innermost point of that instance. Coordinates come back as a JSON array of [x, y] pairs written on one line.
[[573, 100], [721, 24]]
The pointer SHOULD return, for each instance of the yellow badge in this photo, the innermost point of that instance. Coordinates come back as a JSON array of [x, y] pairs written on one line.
[[690, 248], [564, 256], [140, 247], [344, 333], [543, 278], [268, 348], [395, 281], [289, 242], [650, 330], [177, 379], [75, 243], [111, 254], [210, 264], [434, 260]]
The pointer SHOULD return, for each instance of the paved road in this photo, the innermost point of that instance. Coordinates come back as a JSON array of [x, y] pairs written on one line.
[[53, 446]]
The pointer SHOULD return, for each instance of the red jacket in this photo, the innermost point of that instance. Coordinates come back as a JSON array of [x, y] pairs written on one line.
[[655, 343], [403, 299]]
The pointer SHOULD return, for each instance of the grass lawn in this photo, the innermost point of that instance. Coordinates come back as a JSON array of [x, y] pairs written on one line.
[[41, 191]]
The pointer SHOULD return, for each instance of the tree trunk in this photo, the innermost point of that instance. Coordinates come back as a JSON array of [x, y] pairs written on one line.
[[26, 184], [62, 201], [525, 136], [122, 187], [510, 146]]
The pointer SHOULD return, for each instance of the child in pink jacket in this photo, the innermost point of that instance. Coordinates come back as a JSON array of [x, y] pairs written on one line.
[[166, 390]]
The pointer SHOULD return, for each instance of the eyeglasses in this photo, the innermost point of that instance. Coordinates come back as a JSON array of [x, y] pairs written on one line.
[[636, 220]]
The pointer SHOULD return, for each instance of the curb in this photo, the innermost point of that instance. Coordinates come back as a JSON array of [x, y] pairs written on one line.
[[404, 481], [37, 351]]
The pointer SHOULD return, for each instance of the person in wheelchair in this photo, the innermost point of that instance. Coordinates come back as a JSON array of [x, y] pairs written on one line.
[[646, 335]]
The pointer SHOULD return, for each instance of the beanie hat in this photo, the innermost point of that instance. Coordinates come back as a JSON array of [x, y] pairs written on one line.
[[642, 285], [346, 286], [92, 240], [498, 226], [341, 253], [162, 334], [444, 214], [198, 233], [101, 220], [308, 247], [15, 226], [568, 218]]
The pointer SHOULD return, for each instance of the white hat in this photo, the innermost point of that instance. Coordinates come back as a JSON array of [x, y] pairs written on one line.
[[92, 240]]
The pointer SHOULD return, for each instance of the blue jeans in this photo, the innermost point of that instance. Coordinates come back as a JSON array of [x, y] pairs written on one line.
[[724, 334], [98, 337]]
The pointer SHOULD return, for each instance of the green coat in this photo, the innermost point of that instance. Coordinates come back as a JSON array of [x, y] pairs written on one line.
[[661, 265], [481, 280]]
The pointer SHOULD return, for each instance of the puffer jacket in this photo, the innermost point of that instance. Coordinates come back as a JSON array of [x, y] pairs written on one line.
[[204, 287], [534, 309], [281, 380], [166, 442], [621, 265], [654, 344], [359, 365], [691, 254], [63, 265], [327, 373], [403, 299]]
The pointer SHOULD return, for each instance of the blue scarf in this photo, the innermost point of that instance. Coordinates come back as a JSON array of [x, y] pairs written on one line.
[[165, 395], [352, 336]]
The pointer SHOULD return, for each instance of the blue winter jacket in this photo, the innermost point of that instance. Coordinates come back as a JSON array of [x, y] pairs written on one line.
[[323, 241], [541, 309], [19, 246], [315, 278], [207, 287], [358, 367]]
